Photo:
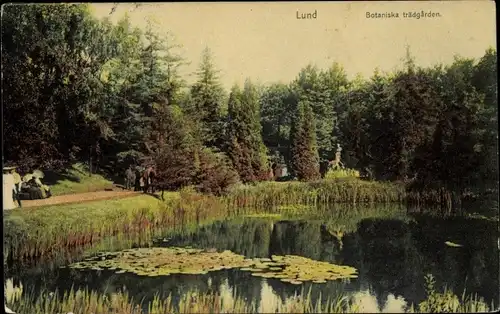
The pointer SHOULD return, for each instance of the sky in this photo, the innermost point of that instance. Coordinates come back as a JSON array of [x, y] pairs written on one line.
[[265, 41]]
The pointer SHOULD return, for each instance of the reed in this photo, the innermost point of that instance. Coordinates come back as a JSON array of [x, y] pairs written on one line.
[[341, 173], [34, 233], [272, 195], [85, 301]]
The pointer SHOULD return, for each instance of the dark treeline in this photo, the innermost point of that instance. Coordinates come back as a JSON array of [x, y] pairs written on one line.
[[76, 88]]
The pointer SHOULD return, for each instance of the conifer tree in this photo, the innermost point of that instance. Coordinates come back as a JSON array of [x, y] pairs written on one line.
[[207, 97], [304, 151], [245, 146]]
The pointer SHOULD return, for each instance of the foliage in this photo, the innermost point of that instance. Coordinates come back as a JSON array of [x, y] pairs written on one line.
[[305, 159], [216, 174], [79, 89], [448, 302], [341, 173], [245, 146], [207, 97]]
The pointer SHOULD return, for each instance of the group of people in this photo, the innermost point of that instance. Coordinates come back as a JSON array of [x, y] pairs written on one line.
[[30, 184], [143, 178]]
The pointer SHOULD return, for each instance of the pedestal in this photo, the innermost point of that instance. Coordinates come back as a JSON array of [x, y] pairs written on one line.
[[8, 187]]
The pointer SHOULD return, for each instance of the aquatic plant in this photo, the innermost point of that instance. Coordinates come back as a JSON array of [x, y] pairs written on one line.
[[448, 302], [164, 261], [275, 196], [297, 269], [85, 301], [31, 233]]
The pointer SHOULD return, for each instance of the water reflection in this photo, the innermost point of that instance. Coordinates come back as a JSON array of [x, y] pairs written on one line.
[[391, 255], [366, 302]]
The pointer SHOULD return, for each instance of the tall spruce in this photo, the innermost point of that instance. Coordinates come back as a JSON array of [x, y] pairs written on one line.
[[207, 96], [245, 146], [305, 158]]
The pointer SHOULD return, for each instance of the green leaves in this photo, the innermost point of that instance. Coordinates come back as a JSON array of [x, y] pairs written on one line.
[[305, 159], [244, 144]]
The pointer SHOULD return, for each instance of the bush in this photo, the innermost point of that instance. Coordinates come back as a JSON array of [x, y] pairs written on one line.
[[341, 173], [216, 174]]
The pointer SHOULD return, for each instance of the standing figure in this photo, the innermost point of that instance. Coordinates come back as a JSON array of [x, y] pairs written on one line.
[[138, 178], [149, 176], [129, 178], [17, 187]]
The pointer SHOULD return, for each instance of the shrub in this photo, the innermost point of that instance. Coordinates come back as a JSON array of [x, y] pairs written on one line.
[[216, 174], [341, 173]]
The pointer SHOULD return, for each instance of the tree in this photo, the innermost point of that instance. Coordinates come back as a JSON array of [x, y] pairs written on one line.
[[250, 108], [170, 148], [245, 146], [276, 109], [305, 159], [58, 95], [322, 90], [208, 96]]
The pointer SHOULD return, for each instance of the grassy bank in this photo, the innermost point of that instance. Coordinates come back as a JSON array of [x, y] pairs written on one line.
[[76, 179], [36, 232], [30, 233], [84, 301]]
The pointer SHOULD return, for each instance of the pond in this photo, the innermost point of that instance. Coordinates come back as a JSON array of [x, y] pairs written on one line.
[[391, 253]]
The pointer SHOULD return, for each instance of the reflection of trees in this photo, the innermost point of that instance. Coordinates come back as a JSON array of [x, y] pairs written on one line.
[[249, 238], [389, 258], [396, 256], [477, 260]]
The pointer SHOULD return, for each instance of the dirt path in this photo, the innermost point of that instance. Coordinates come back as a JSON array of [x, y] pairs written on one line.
[[80, 198]]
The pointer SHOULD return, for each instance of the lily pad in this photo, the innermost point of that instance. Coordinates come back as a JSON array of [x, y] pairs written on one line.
[[297, 269], [449, 243], [165, 261]]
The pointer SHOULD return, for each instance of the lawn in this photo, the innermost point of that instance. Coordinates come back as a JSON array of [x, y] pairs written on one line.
[[76, 179]]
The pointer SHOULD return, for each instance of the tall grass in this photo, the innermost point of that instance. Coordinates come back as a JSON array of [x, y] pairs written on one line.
[[85, 301], [341, 173], [38, 232], [272, 195]]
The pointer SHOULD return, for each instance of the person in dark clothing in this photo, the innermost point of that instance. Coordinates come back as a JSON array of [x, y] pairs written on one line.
[[137, 179], [17, 188], [129, 178]]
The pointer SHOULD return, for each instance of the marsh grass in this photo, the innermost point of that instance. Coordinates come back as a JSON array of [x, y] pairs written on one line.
[[193, 301], [448, 302], [270, 196], [39, 232], [341, 173]]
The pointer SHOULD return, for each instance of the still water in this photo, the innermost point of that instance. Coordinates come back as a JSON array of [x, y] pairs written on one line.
[[392, 256]]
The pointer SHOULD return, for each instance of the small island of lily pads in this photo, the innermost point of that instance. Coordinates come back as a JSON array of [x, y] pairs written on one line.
[[164, 261]]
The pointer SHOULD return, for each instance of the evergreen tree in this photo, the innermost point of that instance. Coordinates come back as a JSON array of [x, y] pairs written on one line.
[[253, 138], [238, 153], [208, 96], [245, 146], [305, 158]]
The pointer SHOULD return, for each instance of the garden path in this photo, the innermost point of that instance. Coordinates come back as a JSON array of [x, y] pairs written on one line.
[[114, 193]]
